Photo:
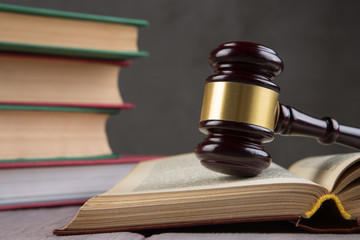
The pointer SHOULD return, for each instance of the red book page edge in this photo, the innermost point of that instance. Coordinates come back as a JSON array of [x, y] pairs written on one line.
[[85, 105], [59, 163], [43, 204]]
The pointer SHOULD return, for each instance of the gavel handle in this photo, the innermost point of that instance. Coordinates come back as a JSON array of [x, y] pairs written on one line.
[[326, 130]]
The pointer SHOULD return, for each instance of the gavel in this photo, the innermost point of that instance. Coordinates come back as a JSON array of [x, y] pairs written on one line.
[[241, 111]]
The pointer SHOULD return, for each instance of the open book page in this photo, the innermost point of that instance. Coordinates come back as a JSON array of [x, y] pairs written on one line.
[[179, 189], [184, 172], [324, 170]]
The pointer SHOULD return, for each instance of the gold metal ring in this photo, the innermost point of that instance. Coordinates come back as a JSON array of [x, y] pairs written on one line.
[[239, 102]]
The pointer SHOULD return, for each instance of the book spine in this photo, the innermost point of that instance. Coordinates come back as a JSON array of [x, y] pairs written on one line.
[[124, 63]]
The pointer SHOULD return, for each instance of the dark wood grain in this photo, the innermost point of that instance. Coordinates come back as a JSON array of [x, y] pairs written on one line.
[[327, 130]]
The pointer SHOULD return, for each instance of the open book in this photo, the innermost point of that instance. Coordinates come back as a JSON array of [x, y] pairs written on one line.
[[178, 191]]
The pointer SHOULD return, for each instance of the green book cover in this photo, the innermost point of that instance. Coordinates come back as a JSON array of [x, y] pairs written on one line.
[[70, 51], [71, 15], [59, 109]]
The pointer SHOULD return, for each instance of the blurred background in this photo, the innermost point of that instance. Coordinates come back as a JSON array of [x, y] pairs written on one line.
[[317, 40]]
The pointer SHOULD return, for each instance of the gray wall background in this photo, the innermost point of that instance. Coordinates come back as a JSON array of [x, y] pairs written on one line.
[[317, 40]]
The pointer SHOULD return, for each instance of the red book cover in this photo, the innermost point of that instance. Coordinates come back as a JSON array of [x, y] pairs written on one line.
[[121, 106], [111, 159]]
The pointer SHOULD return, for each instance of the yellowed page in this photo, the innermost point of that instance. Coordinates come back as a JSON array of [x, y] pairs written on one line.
[[50, 134], [184, 172], [35, 79], [324, 170], [179, 189], [65, 32]]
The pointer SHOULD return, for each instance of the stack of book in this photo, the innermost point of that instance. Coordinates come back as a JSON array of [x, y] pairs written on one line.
[[59, 84]]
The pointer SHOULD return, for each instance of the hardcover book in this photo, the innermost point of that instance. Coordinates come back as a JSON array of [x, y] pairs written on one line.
[[61, 182], [177, 191], [45, 31], [28, 79], [49, 132]]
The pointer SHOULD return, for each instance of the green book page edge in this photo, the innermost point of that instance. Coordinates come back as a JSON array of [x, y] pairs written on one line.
[[70, 52], [71, 15], [58, 109], [108, 156]]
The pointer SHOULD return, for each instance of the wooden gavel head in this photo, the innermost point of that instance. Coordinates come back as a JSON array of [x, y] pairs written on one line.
[[240, 112]]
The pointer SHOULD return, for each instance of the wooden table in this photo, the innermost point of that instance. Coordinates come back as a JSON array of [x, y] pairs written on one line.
[[38, 224]]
